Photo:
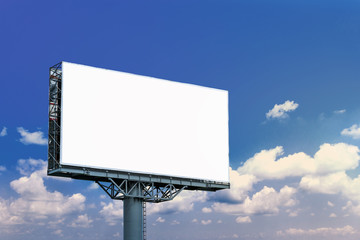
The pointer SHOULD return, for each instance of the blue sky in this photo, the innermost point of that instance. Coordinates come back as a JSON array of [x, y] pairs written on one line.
[[291, 69]]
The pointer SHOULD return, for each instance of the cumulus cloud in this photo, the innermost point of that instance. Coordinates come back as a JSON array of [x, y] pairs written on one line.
[[324, 173], [3, 132], [266, 201], [82, 221], [279, 111], [28, 166], [240, 184], [184, 202], [245, 219], [353, 131], [350, 207], [325, 232], [32, 137], [2, 168], [112, 212], [336, 183], [293, 213], [205, 222], [36, 202], [330, 158], [206, 210], [93, 186]]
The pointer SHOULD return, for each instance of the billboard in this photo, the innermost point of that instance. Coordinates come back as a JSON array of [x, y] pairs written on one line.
[[119, 121]]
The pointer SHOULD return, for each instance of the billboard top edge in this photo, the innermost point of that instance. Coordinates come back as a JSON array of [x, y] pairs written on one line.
[[143, 76]]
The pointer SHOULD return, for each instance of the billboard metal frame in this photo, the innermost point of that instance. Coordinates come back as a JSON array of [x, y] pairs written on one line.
[[116, 179]]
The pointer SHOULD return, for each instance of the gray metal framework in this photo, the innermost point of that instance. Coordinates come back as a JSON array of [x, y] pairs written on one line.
[[54, 116], [147, 191]]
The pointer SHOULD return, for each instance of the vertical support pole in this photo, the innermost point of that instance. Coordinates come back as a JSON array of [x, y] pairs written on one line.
[[133, 217]]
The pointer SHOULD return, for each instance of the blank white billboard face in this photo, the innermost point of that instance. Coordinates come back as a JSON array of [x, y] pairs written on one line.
[[121, 121]]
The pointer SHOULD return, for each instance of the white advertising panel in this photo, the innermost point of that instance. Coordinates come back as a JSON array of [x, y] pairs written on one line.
[[121, 121]]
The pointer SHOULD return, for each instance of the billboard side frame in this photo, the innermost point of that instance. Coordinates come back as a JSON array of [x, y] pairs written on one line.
[[54, 126]]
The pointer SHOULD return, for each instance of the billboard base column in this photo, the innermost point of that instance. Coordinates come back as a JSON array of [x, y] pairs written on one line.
[[133, 218]]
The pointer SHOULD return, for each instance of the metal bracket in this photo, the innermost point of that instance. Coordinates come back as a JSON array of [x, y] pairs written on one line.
[[147, 191]]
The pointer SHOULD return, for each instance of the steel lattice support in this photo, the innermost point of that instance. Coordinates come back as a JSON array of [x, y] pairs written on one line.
[[147, 191], [54, 116], [135, 194]]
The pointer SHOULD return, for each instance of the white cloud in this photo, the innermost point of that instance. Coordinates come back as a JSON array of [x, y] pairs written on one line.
[[245, 219], [293, 213], [325, 173], [160, 220], [36, 200], [36, 203], [206, 210], [205, 222], [2, 168], [112, 212], [266, 201], [332, 215], [184, 202], [3, 132], [240, 184], [194, 220], [175, 222], [353, 131], [6, 217], [330, 158], [335, 183], [28, 166], [93, 186], [328, 184], [330, 204], [82, 221], [279, 111], [350, 207], [341, 111], [325, 232], [58, 232], [32, 138]]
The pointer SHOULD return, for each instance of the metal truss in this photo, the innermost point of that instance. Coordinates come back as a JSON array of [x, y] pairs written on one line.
[[54, 116], [147, 191]]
